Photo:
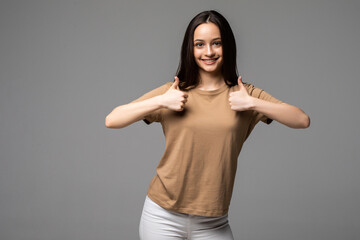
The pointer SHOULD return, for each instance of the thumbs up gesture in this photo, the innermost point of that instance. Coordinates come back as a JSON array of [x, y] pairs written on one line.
[[174, 99], [240, 100]]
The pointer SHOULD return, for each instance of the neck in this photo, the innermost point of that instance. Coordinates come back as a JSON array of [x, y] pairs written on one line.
[[209, 81]]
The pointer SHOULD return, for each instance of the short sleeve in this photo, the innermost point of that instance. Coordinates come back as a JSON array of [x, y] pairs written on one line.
[[263, 95], [154, 116]]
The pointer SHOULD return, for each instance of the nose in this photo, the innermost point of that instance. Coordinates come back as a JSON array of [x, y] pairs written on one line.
[[209, 51]]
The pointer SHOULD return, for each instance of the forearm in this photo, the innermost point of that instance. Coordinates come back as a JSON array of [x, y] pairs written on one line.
[[284, 113], [127, 114]]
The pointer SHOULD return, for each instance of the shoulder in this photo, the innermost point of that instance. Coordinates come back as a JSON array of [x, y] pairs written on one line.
[[163, 87], [248, 86], [251, 89], [168, 84]]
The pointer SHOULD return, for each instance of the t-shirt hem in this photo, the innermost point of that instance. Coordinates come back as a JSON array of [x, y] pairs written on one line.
[[204, 213]]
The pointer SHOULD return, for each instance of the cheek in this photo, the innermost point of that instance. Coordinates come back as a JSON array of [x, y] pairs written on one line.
[[196, 54], [220, 53]]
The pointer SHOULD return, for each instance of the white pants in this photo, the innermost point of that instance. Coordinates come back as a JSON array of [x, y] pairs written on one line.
[[158, 223]]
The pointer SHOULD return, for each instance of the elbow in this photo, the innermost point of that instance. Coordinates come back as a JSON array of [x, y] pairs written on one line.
[[308, 122], [305, 122], [112, 120], [110, 124], [107, 122], [303, 119]]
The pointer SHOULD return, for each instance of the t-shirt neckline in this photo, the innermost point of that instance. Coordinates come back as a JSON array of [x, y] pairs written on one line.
[[211, 92]]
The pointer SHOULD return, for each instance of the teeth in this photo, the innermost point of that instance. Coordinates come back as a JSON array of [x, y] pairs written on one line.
[[209, 60]]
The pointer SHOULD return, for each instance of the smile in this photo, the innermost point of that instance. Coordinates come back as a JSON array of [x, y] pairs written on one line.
[[209, 61]]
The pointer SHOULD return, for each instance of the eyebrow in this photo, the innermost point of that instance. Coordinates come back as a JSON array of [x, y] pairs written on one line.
[[203, 40]]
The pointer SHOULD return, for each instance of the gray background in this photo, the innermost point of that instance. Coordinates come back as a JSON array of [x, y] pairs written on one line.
[[64, 65]]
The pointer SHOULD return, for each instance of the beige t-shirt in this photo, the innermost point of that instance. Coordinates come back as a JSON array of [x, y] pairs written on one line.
[[197, 170]]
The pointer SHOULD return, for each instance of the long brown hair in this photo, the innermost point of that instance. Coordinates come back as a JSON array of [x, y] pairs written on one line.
[[188, 70]]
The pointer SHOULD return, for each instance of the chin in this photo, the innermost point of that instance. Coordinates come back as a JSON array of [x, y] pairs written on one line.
[[210, 70]]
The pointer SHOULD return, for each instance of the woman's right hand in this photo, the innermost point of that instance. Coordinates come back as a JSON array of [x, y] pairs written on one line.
[[174, 99]]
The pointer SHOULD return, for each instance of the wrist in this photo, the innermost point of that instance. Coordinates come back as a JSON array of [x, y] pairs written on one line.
[[159, 101], [253, 103]]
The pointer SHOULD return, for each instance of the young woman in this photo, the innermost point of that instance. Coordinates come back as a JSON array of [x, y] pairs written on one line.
[[207, 113]]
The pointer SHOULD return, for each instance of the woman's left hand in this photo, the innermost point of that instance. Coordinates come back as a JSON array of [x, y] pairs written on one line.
[[240, 100]]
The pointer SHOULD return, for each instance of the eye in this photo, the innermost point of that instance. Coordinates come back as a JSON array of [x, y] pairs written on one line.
[[198, 44], [217, 43]]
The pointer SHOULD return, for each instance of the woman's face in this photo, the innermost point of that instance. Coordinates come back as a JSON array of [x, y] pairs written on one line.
[[208, 48]]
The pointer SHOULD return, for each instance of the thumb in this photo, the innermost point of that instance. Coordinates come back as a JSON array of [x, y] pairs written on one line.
[[240, 81], [176, 83]]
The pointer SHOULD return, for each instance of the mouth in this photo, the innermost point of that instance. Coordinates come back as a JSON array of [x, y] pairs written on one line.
[[209, 61]]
